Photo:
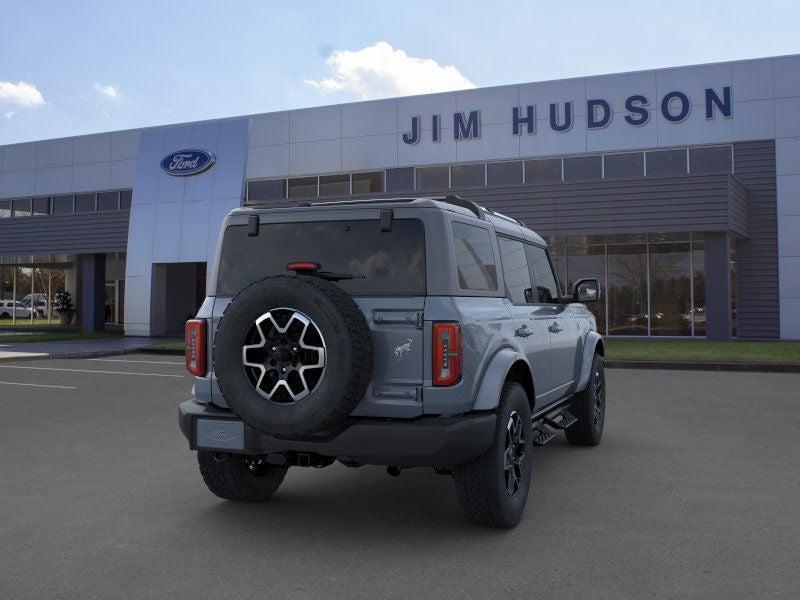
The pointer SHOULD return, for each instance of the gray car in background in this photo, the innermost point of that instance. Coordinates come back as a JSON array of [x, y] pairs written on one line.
[[424, 332]]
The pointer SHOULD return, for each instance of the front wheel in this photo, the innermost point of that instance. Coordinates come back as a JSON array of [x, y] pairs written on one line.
[[492, 489], [239, 477], [589, 407]]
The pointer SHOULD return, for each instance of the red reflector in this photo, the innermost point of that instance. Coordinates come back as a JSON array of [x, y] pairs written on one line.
[[447, 356], [196, 347], [303, 265]]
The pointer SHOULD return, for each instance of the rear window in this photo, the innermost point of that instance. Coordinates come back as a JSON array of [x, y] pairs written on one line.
[[389, 263]]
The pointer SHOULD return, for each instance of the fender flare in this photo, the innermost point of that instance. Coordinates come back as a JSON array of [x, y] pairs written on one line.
[[488, 396], [593, 343]]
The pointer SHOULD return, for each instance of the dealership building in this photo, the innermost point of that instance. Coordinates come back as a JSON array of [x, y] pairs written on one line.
[[678, 188]]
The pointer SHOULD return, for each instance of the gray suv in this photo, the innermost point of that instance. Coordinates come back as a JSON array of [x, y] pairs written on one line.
[[427, 332]]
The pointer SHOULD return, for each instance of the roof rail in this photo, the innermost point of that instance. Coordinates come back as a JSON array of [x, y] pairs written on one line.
[[494, 213], [463, 203], [353, 202]]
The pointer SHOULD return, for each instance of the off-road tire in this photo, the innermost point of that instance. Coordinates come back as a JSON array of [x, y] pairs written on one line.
[[349, 355], [229, 476], [589, 407], [481, 483]]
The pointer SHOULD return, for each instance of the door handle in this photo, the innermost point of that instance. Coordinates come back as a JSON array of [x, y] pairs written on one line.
[[554, 327], [523, 331]]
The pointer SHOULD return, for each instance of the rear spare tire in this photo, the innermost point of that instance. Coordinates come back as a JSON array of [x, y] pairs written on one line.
[[293, 355]]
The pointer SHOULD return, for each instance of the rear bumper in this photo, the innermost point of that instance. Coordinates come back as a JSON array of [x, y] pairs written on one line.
[[425, 441]]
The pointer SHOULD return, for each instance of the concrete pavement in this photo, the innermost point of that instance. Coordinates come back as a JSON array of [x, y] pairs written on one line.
[[693, 493]]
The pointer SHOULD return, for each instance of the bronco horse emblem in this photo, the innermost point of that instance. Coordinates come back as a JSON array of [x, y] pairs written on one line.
[[402, 350]]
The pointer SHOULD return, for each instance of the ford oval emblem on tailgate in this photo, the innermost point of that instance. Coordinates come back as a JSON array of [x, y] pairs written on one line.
[[187, 162]]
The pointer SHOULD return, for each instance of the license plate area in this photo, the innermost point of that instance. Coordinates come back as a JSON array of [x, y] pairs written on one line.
[[219, 434]]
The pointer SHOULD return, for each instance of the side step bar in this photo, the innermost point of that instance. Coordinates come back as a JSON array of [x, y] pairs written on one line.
[[558, 418]]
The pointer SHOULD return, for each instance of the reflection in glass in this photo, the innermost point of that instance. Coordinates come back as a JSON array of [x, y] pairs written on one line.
[[504, 173], [474, 257], [734, 310], [41, 206], [710, 159], [383, 263], [433, 178], [585, 261], [400, 180], [303, 187], [579, 168], [22, 207], [546, 170], [334, 185], [627, 289], [629, 164], [699, 285], [270, 189], [125, 197], [468, 175], [545, 289], [515, 270], [556, 246], [367, 183], [661, 163], [670, 294]]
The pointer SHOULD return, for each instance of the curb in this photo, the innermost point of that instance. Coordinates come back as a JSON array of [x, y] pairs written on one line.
[[89, 354], [161, 351], [703, 366]]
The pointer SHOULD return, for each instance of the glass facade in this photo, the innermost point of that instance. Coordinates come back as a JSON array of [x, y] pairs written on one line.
[[33, 291], [45, 291], [649, 284], [438, 178]]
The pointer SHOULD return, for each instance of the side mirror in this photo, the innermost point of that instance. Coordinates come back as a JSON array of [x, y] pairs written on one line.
[[586, 290]]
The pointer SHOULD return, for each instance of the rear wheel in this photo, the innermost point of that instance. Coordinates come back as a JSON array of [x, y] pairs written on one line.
[[240, 477], [492, 489], [589, 407]]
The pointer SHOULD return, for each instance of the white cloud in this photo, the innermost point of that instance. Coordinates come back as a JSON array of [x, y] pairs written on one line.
[[20, 93], [380, 71], [109, 91], [10, 114]]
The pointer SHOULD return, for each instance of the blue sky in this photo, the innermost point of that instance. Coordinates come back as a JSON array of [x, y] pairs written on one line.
[[69, 68]]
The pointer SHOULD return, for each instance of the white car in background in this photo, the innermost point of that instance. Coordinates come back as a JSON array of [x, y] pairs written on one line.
[[14, 308]]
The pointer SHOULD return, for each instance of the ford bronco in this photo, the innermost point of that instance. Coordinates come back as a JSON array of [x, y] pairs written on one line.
[[427, 332]]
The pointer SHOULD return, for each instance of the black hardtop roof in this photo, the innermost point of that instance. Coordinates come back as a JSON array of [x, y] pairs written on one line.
[[450, 202]]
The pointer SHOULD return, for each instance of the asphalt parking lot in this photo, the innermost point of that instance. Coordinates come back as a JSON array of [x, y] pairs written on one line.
[[694, 493]]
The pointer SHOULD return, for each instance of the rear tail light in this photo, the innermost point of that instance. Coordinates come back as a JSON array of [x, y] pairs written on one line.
[[447, 356], [196, 347]]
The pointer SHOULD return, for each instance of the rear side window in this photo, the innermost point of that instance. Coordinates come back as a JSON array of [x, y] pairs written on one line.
[[515, 270], [474, 257], [384, 263], [544, 280]]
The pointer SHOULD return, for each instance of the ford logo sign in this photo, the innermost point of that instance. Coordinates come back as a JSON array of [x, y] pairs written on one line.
[[187, 162]]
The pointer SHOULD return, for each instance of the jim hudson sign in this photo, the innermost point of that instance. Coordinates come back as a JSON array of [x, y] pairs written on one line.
[[674, 106]]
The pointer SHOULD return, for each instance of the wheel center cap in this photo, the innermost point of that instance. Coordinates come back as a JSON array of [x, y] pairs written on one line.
[[284, 354]]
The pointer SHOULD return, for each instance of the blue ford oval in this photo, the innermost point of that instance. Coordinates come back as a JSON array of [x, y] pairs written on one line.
[[187, 162]]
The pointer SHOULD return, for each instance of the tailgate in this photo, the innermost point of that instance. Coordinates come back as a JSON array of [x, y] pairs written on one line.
[[399, 354]]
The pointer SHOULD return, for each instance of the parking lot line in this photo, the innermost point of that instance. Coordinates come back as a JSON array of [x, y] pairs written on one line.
[[148, 362], [42, 385], [90, 371]]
